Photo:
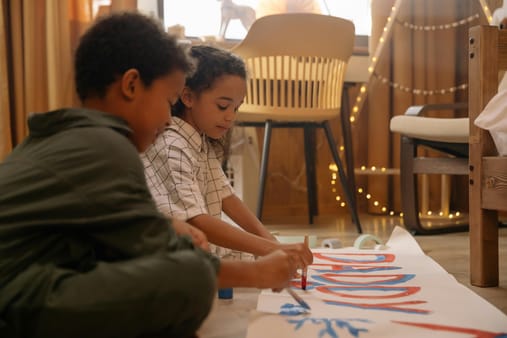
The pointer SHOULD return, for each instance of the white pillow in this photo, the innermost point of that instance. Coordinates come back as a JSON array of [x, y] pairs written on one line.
[[494, 119]]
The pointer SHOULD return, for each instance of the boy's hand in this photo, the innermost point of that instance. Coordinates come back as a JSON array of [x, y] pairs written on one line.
[[198, 237]]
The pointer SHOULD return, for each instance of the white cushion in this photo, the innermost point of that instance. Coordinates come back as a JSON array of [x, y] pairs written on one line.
[[494, 119], [454, 130]]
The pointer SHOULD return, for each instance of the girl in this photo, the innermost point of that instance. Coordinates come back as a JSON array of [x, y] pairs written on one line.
[[183, 167]]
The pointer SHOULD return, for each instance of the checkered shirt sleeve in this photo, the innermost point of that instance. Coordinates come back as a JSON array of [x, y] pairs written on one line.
[[184, 174]]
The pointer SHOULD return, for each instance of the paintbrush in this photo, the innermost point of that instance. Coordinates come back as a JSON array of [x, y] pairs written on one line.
[[298, 299], [305, 269]]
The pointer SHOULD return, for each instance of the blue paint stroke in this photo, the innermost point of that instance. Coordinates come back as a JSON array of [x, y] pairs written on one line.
[[328, 330], [405, 278], [338, 258], [292, 310]]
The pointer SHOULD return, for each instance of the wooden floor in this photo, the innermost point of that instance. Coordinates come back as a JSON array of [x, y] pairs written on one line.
[[230, 318]]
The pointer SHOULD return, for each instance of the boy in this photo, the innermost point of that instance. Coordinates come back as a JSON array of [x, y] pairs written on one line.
[[83, 250]]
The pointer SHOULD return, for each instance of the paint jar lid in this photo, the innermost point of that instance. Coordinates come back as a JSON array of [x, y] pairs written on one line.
[[225, 293]]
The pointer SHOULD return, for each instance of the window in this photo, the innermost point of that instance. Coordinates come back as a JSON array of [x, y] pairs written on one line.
[[201, 18]]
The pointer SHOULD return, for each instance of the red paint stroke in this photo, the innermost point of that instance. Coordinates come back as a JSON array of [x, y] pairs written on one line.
[[296, 284], [435, 327], [336, 278], [406, 291], [352, 268], [378, 258], [398, 307]]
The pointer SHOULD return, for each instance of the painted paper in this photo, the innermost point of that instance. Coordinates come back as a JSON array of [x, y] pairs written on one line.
[[394, 292]]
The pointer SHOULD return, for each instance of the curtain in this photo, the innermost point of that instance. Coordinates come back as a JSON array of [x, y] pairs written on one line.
[[37, 53], [5, 118], [416, 59], [37, 42]]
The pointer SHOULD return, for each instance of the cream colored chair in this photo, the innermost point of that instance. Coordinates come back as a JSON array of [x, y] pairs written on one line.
[[296, 64], [449, 136]]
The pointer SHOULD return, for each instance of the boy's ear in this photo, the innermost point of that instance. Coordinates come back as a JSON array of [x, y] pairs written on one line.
[[186, 97], [129, 82]]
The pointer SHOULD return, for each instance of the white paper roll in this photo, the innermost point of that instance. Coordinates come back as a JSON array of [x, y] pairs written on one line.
[[332, 243]]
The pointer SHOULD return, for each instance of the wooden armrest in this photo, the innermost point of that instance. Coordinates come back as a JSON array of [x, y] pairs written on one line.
[[420, 110]]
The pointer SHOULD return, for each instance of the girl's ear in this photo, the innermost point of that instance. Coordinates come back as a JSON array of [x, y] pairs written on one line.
[[130, 81], [187, 97]]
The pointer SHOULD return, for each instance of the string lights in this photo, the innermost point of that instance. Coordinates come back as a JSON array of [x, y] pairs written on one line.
[[373, 62], [377, 205], [486, 11], [363, 90], [454, 24], [361, 191], [418, 91], [386, 33]]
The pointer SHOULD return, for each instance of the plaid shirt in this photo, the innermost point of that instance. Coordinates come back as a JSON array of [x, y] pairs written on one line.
[[184, 173]]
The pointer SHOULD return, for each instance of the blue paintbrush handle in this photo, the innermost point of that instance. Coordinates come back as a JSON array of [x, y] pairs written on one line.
[[298, 299]]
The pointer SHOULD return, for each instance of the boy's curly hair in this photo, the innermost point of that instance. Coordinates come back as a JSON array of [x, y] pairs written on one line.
[[122, 41]]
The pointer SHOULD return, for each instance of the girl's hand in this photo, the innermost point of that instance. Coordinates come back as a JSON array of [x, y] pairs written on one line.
[[299, 252], [275, 270], [198, 237]]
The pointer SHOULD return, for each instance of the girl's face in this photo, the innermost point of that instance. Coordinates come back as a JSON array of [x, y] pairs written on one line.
[[213, 111]]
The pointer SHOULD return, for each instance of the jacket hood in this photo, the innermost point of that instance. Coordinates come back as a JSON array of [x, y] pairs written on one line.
[[59, 120]]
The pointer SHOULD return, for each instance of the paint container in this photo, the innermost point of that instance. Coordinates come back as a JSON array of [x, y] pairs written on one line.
[[225, 293], [369, 241]]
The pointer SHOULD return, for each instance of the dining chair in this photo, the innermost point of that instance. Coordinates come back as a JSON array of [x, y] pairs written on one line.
[[296, 64], [446, 135]]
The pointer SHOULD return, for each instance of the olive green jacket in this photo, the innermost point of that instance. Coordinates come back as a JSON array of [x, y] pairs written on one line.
[[71, 195]]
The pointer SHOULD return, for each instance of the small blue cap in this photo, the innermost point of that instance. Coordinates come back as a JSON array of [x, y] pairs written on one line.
[[225, 293]]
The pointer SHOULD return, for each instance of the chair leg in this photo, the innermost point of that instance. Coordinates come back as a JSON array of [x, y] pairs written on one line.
[[264, 167], [408, 182], [343, 178], [410, 195], [311, 178]]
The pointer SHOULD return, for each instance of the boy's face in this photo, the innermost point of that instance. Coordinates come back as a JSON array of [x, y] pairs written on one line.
[[153, 106], [214, 110]]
